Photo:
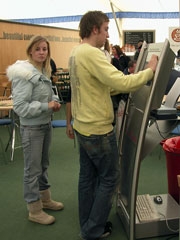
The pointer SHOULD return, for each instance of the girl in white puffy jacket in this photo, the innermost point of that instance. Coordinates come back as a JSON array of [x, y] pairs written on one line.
[[34, 102]]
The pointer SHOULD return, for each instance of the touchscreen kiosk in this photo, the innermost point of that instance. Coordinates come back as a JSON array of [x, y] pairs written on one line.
[[134, 128]]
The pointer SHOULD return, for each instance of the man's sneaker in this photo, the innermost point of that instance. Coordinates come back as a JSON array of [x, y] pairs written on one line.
[[81, 237], [107, 230]]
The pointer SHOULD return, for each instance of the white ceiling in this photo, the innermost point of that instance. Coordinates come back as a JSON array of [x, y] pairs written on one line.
[[148, 5], [11, 9]]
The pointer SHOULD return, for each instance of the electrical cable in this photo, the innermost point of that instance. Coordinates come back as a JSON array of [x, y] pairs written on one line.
[[167, 224], [160, 132]]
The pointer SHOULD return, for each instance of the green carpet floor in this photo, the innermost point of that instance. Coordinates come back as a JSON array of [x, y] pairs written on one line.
[[63, 177]]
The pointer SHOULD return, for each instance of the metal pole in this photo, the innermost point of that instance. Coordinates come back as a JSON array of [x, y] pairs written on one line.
[[120, 37]]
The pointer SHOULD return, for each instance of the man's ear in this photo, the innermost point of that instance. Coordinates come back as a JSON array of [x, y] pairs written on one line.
[[95, 29]]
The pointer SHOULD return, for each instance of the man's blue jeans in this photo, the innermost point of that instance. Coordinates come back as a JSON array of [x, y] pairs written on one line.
[[99, 175]]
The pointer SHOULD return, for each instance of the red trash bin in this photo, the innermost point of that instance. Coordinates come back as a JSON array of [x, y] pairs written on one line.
[[172, 149]]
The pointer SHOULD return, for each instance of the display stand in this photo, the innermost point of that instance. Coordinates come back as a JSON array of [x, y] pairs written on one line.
[[139, 135], [63, 86]]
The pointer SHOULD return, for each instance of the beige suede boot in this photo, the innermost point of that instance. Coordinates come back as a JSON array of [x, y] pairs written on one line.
[[48, 203], [36, 214]]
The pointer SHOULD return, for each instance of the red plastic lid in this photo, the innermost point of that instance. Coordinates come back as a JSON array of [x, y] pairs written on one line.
[[172, 145]]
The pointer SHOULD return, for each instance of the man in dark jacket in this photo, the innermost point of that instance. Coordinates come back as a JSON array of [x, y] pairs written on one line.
[[172, 79], [139, 46]]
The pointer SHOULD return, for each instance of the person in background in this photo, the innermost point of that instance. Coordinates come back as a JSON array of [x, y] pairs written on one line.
[[69, 128], [117, 98], [53, 71], [119, 59], [93, 80], [178, 54], [53, 67], [122, 96], [131, 67], [177, 62], [175, 73], [106, 50], [172, 79], [34, 102], [139, 46]]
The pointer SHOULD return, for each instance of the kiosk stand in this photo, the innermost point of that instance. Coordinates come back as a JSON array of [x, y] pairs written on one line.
[[141, 130]]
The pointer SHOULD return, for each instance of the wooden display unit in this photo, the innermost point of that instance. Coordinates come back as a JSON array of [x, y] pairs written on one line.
[[63, 85]]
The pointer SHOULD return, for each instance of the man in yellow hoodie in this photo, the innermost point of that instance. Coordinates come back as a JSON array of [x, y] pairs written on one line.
[[93, 80]]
